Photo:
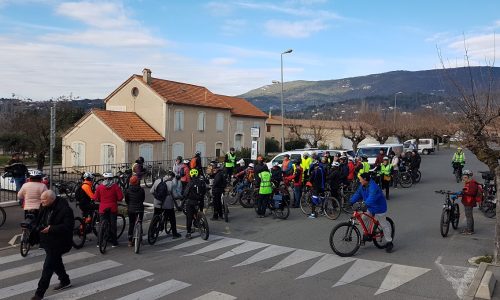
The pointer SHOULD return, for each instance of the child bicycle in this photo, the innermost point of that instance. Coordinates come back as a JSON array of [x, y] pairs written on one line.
[[345, 237], [450, 213], [200, 222], [137, 235], [329, 206]]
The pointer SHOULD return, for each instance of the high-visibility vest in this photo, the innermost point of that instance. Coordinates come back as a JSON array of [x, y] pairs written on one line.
[[265, 183], [386, 169], [459, 157], [365, 168], [231, 160], [306, 163]]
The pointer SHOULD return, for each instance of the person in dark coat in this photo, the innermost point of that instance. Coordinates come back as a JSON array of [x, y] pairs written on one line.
[[219, 184], [55, 227], [134, 197], [18, 170]]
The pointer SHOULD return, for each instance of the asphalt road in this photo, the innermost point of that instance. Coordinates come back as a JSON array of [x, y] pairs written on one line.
[[251, 258]]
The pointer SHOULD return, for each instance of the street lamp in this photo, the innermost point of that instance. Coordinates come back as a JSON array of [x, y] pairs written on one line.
[[395, 103], [282, 108]]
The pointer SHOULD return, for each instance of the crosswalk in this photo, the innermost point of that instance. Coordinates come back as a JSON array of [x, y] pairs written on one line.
[[90, 283]]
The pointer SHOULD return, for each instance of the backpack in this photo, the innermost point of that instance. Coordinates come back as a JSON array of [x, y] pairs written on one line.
[[480, 193], [192, 164], [161, 191], [81, 197], [197, 190]]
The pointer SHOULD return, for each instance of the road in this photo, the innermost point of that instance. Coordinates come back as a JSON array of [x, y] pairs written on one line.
[[251, 258]]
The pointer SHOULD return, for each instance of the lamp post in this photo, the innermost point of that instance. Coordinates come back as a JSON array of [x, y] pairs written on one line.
[[282, 107], [395, 104]]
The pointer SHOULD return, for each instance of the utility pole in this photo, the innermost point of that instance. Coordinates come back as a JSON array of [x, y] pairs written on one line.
[[52, 142]]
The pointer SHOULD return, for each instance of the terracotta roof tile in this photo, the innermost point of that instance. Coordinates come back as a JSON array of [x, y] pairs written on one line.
[[241, 107], [128, 126]]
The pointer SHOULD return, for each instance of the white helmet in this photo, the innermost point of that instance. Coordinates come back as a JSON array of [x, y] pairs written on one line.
[[250, 165], [186, 161], [467, 173], [107, 174], [335, 164], [35, 173], [88, 175]]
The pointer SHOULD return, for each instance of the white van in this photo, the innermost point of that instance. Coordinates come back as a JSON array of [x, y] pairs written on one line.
[[425, 146], [372, 150], [297, 154]]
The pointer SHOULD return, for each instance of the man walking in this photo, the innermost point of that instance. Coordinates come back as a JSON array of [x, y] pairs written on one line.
[[55, 223], [230, 162]]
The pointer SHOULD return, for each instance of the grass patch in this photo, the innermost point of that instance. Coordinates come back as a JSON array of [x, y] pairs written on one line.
[[486, 259]]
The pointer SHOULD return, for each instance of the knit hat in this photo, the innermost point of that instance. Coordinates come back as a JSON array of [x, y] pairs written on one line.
[[365, 176], [134, 180]]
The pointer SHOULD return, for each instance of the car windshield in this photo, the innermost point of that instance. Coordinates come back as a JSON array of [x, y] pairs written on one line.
[[370, 152]]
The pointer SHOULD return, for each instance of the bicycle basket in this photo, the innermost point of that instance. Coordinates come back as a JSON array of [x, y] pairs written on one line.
[[277, 200]]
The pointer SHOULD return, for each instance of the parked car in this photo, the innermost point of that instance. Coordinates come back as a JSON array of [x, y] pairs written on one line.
[[372, 150], [7, 182], [298, 154], [425, 146]]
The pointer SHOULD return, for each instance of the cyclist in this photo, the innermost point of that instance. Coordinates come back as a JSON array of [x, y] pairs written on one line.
[[385, 172], [108, 194], [458, 161], [306, 164], [317, 180], [287, 166], [134, 197], [364, 167], [230, 162], [194, 193], [344, 169], [85, 201], [329, 158], [352, 169], [30, 193], [195, 163], [260, 166], [298, 174], [265, 192], [372, 195], [276, 174], [469, 194], [138, 168], [184, 173], [240, 166], [166, 205], [218, 186], [335, 179], [245, 177], [415, 161]]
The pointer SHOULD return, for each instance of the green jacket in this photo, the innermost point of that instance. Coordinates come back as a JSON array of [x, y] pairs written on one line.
[[385, 170], [231, 160], [265, 183]]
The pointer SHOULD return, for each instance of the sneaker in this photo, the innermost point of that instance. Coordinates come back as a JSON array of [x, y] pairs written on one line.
[[188, 235], [176, 235], [62, 286], [388, 247], [466, 232], [312, 216], [114, 245], [36, 297]]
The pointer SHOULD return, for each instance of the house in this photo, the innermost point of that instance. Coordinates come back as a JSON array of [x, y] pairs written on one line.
[[159, 120]]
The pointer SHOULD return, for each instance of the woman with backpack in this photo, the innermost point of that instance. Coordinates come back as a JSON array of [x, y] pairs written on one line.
[[165, 191], [134, 197]]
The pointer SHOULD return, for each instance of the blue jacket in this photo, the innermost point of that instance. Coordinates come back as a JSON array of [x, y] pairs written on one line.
[[372, 196]]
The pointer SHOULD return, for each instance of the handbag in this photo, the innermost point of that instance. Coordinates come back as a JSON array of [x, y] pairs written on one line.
[[387, 178]]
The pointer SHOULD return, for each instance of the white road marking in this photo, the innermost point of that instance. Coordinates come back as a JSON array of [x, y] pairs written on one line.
[[99, 286], [266, 253], [213, 295], [360, 269], [157, 291], [193, 242], [223, 243], [327, 262], [244, 248], [296, 257], [17, 257], [459, 277], [399, 275], [73, 274], [39, 265]]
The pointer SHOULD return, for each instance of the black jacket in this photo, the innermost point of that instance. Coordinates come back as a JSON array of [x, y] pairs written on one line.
[[16, 168], [61, 220], [219, 183], [134, 197], [335, 178], [191, 195], [415, 162]]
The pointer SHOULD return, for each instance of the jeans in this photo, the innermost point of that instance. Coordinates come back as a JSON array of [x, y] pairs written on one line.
[[217, 195], [297, 194], [53, 264], [469, 217], [19, 181], [131, 224], [262, 203], [386, 226], [190, 212], [112, 227]]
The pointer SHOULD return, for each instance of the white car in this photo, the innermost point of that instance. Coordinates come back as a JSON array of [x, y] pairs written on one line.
[[297, 154], [7, 183]]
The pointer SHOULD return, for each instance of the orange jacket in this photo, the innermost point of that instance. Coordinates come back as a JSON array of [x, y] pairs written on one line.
[[87, 188]]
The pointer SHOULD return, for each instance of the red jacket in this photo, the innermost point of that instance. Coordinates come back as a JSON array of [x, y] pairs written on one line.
[[108, 196], [186, 177], [469, 193], [352, 169]]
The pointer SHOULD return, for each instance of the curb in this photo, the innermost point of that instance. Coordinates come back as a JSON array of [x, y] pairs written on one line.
[[9, 203], [482, 284]]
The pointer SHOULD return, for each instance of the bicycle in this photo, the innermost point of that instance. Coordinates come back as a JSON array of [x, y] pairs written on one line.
[[279, 206], [450, 213], [373, 232], [329, 206], [137, 236], [157, 225], [230, 193], [209, 202], [27, 228], [200, 222], [404, 177], [149, 176], [488, 205], [65, 188], [83, 227], [104, 232], [457, 171], [248, 196], [3, 216], [346, 193]]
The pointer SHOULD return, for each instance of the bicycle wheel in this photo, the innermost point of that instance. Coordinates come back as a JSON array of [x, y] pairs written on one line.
[[230, 195], [418, 176], [24, 247], [3, 216], [405, 180], [137, 237], [379, 239], [203, 226], [70, 188], [331, 207], [490, 210], [103, 236], [226, 212], [154, 230], [95, 223], [120, 225], [456, 216], [305, 203], [246, 199], [149, 179], [79, 234], [457, 176], [345, 239], [445, 222], [283, 211]]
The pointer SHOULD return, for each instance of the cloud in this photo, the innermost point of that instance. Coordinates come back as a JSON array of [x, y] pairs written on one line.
[[234, 27], [106, 15], [480, 47], [219, 8], [291, 10], [299, 29], [223, 61]]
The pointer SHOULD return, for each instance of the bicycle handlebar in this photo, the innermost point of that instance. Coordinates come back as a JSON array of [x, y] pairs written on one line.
[[443, 192]]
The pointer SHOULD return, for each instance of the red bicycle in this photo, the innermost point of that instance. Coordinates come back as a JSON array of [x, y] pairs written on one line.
[[345, 238]]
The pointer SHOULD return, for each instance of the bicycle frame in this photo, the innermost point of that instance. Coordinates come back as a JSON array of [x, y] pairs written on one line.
[[357, 217]]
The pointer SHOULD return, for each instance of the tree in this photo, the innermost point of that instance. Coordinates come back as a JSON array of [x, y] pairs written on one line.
[[379, 129], [272, 145], [355, 133]]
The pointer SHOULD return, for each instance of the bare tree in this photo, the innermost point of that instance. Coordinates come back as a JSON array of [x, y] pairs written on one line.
[[379, 129], [355, 133]]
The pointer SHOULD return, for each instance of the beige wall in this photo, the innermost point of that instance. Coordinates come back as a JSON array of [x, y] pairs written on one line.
[[148, 105], [246, 132], [93, 133], [134, 153]]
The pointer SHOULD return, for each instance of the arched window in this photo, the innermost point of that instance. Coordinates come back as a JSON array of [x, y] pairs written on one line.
[[177, 150]]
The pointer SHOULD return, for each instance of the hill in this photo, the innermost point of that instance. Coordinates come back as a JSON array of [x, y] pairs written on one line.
[[300, 94]]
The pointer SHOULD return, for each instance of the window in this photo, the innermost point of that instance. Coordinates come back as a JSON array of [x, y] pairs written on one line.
[[218, 149], [146, 151], [108, 152], [268, 129], [78, 157], [278, 159], [179, 120], [200, 146], [219, 124], [238, 141], [177, 150], [239, 126], [201, 121], [256, 124]]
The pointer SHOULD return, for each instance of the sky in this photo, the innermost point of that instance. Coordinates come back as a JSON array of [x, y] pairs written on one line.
[[86, 49]]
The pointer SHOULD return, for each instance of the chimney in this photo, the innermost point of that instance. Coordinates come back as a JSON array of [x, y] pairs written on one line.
[[270, 116], [146, 76]]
